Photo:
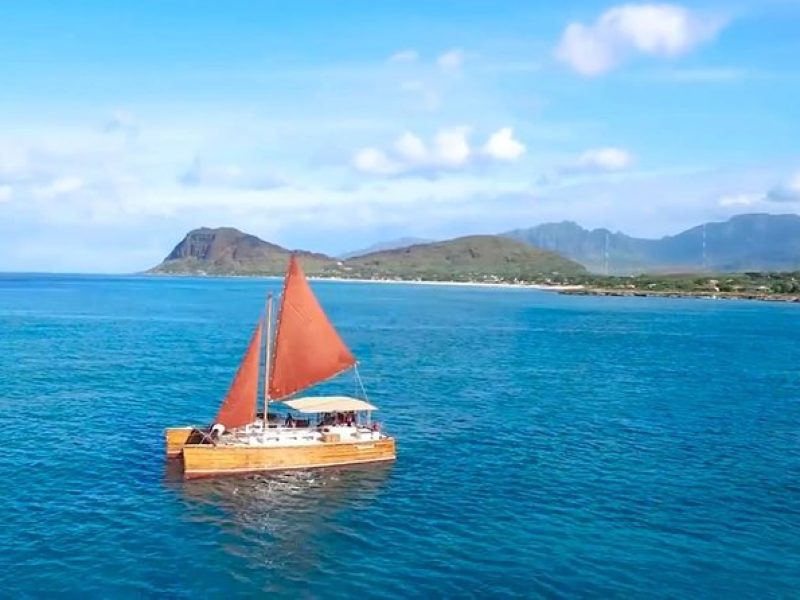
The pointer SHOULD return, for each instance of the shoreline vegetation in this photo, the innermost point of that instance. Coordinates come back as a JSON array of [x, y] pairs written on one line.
[[770, 287]]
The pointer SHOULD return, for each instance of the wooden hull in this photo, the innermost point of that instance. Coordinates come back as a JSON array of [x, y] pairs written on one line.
[[207, 461], [176, 439]]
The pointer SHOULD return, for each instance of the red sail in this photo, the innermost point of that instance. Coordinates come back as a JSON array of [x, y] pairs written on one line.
[[239, 407], [307, 347]]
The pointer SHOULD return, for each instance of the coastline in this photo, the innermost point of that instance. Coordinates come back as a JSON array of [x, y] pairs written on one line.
[[484, 284], [565, 289], [708, 295]]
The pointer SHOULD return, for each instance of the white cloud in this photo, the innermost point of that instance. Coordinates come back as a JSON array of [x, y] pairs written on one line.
[[452, 146], [374, 162], [451, 61], [740, 199], [5, 193], [583, 51], [448, 150], [404, 56], [788, 192], [664, 30], [600, 159], [60, 187], [201, 173], [502, 145], [411, 148]]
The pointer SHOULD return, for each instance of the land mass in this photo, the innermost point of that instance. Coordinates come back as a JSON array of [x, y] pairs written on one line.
[[482, 258], [748, 242], [228, 251], [784, 287], [471, 258]]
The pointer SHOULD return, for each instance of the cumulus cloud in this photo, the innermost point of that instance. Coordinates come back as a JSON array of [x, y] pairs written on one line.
[[411, 148], [501, 145], [201, 173], [452, 147], [663, 30], [404, 56], [451, 61], [449, 150]]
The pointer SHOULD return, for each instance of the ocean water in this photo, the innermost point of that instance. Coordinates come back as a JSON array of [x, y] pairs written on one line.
[[549, 446]]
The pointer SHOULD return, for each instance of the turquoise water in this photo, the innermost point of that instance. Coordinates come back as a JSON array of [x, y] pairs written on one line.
[[549, 446]]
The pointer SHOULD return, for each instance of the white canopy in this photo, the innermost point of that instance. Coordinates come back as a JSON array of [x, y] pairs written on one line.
[[323, 404]]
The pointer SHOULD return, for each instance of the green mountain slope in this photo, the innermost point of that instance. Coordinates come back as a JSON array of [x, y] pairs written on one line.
[[228, 251], [477, 257]]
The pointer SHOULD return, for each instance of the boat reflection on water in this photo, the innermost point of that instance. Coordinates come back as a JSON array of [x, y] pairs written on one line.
[[275, 519]]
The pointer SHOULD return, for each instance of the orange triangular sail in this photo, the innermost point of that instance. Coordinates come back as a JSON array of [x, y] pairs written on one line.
[[239, 406], [308, 349]]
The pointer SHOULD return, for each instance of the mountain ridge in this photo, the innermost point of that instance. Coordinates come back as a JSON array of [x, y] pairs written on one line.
[[746, 242], [228, 251], [403, 242]]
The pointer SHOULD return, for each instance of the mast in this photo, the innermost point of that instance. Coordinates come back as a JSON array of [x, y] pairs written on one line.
[[267, 361]]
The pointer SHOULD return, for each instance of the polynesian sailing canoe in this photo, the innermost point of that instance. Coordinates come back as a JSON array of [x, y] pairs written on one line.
[[317, 431]]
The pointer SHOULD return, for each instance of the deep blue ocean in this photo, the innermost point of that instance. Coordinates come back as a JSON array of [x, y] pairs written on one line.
[[549, 446]]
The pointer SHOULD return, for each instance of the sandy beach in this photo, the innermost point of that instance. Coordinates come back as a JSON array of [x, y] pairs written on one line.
[[483, 284]]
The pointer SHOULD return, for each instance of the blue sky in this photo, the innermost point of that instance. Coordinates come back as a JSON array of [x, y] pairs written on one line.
[[330, 126]]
